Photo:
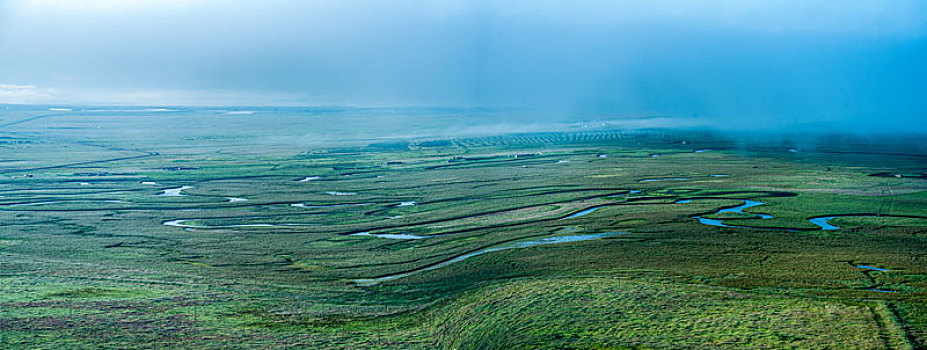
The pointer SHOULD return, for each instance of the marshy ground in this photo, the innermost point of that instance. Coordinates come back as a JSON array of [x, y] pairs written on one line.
[[203, 229]]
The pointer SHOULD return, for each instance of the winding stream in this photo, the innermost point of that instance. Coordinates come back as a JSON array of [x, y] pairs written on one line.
[[738, 209], [312, 206], [505, 246], [388, 235], [583, 212], [822, 222], [871, 268], [181, 223]]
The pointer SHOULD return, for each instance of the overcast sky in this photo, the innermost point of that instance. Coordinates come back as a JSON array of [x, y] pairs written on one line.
[[802, 61]]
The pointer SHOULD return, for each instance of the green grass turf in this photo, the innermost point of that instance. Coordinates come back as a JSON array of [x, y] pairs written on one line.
[[86, 261]]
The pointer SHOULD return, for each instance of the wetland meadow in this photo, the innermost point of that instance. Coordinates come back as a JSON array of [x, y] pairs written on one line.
[[463, 174], [197, 228]]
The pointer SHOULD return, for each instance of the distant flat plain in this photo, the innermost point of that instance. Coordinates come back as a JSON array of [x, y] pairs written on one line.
[[443, 228]]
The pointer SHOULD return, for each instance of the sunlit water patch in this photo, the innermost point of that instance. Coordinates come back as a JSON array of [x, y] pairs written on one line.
[[336, 193], [583, 212], [174, 192], [871, 268], [822, 222]]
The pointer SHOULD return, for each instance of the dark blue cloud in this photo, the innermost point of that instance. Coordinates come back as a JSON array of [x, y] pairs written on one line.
[[765, 63]]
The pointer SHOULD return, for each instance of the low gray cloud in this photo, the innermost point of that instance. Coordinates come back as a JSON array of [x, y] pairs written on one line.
[[731, 63]]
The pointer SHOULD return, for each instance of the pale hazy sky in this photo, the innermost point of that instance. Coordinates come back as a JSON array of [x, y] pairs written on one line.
[[797, 61]]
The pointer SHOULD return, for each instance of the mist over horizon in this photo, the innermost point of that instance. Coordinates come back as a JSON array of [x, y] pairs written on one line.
[[786, 65]]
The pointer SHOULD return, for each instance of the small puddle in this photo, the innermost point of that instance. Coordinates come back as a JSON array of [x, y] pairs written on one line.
[[363, 282], [174, 192], [236, 199], [406, 204], [309, 178]]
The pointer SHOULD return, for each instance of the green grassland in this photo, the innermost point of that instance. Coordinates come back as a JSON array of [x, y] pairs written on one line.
[[92, 255]]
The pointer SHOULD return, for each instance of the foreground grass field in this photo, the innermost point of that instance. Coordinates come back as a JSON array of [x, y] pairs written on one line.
[[203, 229]]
